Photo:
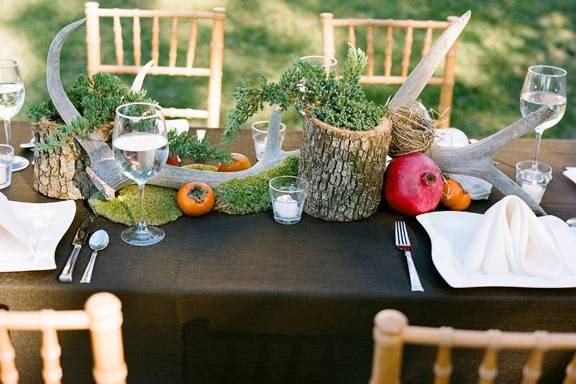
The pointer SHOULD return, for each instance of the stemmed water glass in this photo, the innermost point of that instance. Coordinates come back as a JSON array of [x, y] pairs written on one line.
[[11, 101], [140, 145], [544, 86]]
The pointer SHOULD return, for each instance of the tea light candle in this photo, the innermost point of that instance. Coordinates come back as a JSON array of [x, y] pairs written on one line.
[[535, 191], [286, 207], [259, 147]]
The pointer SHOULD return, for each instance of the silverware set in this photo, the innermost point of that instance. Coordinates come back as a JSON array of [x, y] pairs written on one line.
[[402, 242], [98, 241]]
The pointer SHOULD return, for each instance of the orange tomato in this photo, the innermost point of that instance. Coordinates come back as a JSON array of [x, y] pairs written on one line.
[[454, 196], [195, 199], [239, 162]]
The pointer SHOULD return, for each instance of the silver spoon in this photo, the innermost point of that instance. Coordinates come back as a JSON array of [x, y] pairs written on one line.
[[98, 241]]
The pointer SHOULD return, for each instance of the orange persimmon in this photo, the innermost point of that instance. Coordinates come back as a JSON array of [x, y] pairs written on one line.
[[239, 162], [195, 199], [454, 196]]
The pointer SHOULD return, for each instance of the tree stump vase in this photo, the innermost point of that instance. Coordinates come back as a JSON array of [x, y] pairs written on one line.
[[344, 169], [61, 172]]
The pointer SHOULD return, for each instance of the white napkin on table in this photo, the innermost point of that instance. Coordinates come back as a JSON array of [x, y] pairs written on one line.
[[512, 240], [15, 241]]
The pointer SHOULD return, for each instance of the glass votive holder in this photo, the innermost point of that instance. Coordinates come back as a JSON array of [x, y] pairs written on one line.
[[6, 160], [288, 194], [533, 177], [260, 134]]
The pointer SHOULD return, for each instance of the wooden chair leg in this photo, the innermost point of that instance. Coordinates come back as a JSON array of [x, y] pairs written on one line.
[[216, 60], [388, 343], [571, 372], [105, 313], [92, 37]]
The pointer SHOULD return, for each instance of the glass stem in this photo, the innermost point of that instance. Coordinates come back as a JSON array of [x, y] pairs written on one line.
[[537, 149], [8, 131], [142, 223]]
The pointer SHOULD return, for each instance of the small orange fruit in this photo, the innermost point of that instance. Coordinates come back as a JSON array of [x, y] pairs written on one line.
[[239, 162], [454, 196]]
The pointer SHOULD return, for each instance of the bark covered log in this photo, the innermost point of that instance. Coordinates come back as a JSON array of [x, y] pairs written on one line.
[[61, 172], [344, 169]]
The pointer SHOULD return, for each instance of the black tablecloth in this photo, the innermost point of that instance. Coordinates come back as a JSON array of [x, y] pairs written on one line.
[[243, 299]]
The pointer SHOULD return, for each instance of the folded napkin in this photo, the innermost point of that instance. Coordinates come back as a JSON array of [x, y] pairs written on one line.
[[510, 239], [29, 233], [570, 173]]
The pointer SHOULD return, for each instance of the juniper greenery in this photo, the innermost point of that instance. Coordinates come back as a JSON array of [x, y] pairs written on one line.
[[189, 147], [340, 102]]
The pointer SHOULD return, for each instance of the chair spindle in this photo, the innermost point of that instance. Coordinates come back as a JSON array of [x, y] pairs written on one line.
[[389, 51], [488, 369], [427, 41], [388, 332], [370, 50], [173, 55], [8, 371], [571, 372], [443, 363], [155, 40], [533, 368], [136, 41], [191, 52], [50, 352], [351, 35], [407, 51], [118, 43], [216, 61], [329, 48]]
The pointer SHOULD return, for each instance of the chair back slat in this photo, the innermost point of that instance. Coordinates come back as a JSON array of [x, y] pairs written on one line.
[[427, 42], [216, 60], [370, 50], [8, 371], [173, 55], [118, 42], [571, 372], [389, 51], [488, 369], [155, 40], [407, 52], [351, 36], [191, 52], [443, 363], [50, 351], [389, 326], [391, 76], [136, 32]]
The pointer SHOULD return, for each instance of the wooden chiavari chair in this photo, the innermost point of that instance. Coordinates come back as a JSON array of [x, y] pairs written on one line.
[[102, 316], [214, 72], [391, 332], [388, 78]]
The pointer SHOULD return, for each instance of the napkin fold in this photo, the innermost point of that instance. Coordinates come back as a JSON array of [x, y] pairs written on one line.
[[15, 241], [510, 239]]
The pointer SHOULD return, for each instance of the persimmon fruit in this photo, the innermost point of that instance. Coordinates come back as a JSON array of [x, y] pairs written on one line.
[[454, 196], [195, 199], [239, 162]]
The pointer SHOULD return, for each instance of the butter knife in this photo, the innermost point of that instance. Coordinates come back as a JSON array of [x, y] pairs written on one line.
[[79, 240]]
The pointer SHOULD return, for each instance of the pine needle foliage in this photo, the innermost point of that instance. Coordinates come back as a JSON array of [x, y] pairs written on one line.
[[340, 102], [189, 147], [95, 98]]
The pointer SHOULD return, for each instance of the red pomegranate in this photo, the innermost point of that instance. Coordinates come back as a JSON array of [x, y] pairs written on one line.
[[413, 184], [173, 160]]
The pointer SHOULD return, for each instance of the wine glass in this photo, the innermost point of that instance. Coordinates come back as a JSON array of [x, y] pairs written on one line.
[[544, 86], [11, 101], [140, 143]]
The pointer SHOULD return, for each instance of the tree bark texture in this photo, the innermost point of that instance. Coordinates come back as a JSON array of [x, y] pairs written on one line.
[[344, 169], [61, 172]]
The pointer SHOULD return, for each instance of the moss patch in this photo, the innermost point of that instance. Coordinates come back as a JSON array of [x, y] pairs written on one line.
[[159, 205], [250, 194]]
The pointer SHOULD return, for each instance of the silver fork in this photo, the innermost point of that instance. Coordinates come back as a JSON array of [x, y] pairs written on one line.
[[403, 244]]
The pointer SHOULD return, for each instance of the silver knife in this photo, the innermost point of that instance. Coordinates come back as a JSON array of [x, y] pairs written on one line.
[[79, 239]]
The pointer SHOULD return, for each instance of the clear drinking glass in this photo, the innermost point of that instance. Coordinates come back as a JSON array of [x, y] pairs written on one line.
[[329, 63], [288, 194], [6, 160], [533, 177], [140, 145], [260, 133], [11, 100], [544, 85]]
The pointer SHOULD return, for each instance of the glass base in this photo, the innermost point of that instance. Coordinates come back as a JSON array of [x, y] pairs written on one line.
[[282, 220], [139, 238], [19, 163]]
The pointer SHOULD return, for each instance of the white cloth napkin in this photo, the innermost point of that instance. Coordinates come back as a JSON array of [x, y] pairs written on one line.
[[512, 240], [15, 242], [570, 173]]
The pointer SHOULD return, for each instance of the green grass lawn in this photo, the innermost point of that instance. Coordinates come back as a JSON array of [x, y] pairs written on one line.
[[503, 38]]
